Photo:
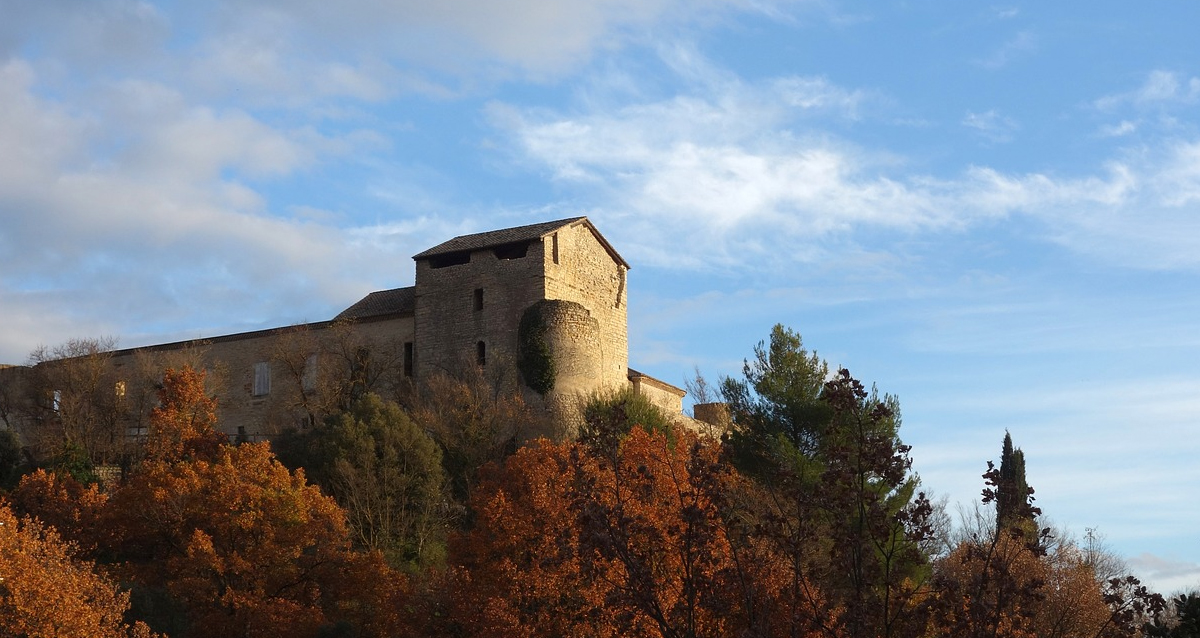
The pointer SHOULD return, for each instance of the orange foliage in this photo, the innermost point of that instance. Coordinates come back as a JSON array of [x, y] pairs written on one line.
[[240, 541], [62, 502], [524, 568], [571, 541], [184, 423], [1006, 589], [46, 593]]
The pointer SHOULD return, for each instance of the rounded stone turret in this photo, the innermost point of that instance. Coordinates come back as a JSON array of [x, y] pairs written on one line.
[[560, 354]]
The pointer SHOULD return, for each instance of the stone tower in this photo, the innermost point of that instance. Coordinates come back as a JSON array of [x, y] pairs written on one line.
[[473, 291]]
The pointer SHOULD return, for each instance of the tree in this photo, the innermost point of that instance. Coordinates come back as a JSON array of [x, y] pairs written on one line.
[[45, 592], [386, 472], [1184, 621], [184, 422], [1013, 494], [840, 500], [638, 539], [242, 544], [59, 500], [475, 419], [77, 402]]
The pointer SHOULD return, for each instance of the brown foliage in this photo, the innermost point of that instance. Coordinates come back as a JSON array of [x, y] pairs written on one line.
[[184, 422], [632, 542], [239, 540], [62, 502], [47, 593]]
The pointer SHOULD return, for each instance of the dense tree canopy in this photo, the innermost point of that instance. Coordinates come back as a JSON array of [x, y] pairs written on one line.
[[440, 515]]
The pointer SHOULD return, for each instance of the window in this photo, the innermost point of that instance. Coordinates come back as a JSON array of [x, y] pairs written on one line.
[[56, 400], [511, 251], [119, 389], [554, 246], [450, 259], [480, 354], [262, 378], [408, 358], [478, 299]]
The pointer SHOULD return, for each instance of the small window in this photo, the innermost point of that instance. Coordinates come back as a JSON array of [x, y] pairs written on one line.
[[450, 259], [119, 389], [554, 246], [511, 251], [480, 354], [56, 400], [478, 299], [408, 358], [262, 378]]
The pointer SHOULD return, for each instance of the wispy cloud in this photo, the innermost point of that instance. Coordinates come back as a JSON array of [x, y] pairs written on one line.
[[739, 164], [1161, 89], [991, 125], [1020, 45]]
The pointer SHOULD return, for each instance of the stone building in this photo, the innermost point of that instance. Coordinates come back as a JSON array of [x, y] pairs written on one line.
[[547, 302]]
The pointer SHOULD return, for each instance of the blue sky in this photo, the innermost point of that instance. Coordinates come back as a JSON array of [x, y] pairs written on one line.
[[990, 210]]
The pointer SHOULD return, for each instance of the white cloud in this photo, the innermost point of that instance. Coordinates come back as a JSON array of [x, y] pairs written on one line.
[[1160, 89], [992, 125], [742, 169]]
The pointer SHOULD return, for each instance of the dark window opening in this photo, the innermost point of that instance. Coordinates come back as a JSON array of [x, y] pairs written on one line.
[[450, 259], [554, 246], [480, 354], [408, 358], [511, 251], [478, 299]]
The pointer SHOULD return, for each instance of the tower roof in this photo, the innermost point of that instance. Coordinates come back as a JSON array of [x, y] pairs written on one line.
[[493, 238]]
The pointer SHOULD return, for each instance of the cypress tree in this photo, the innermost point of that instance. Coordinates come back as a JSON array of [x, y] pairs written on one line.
[[1013, 494]]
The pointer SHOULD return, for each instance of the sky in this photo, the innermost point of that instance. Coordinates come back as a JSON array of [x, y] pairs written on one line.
[[991, 211]]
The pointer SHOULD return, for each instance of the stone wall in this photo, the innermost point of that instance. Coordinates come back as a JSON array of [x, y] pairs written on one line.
[[461, 306]]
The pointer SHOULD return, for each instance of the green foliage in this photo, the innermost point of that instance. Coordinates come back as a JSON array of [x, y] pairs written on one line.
[[73, 459], [386, 472], [1012, 492], [610, 415], [844, 502], [777, 406], [534, 359]]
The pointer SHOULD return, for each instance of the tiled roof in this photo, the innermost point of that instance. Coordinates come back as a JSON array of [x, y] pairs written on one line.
[[492, 238], [397, 301]]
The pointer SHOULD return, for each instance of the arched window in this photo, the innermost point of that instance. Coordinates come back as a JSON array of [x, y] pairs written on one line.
[[481, 354]]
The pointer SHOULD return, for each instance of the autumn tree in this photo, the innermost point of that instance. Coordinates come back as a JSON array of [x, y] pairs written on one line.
[[631, 540], [46, 592], [184, 422], [59, 500], [1008, 579], [245, 546], [523, 571]]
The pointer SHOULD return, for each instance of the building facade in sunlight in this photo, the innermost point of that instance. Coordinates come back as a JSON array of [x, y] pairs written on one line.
[[543, 306]]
